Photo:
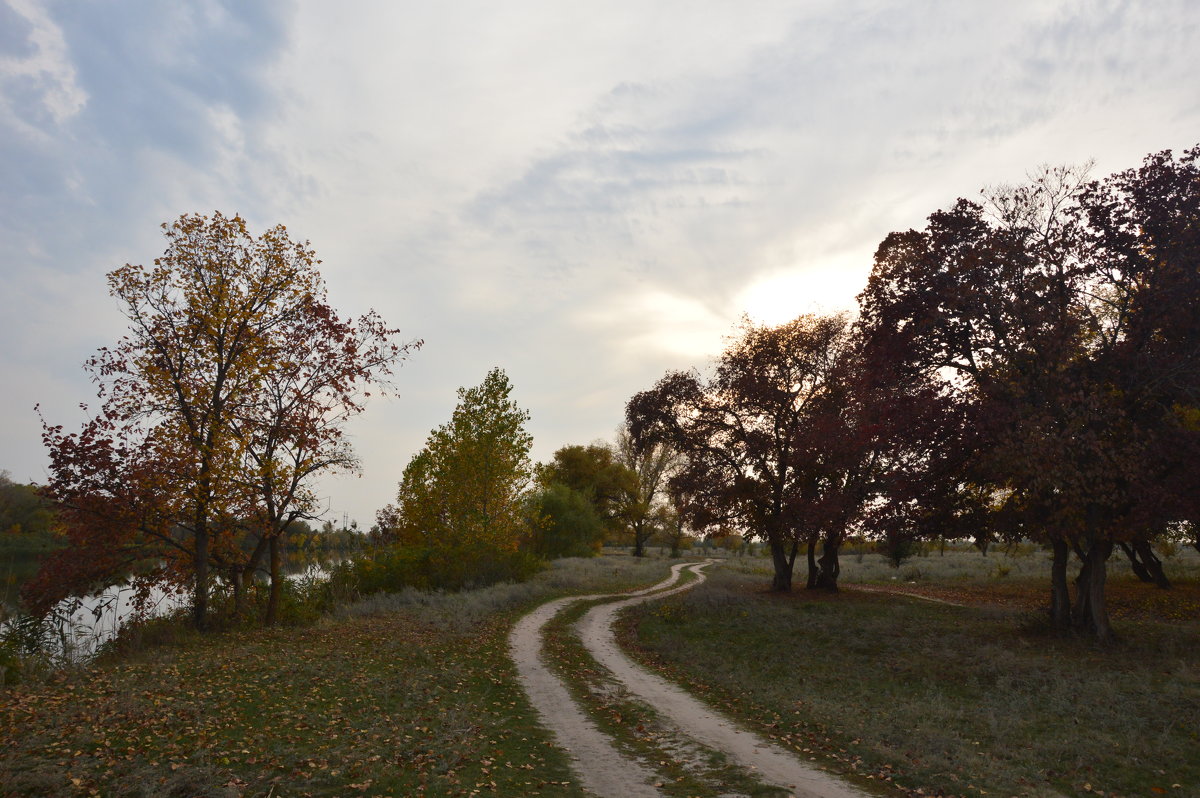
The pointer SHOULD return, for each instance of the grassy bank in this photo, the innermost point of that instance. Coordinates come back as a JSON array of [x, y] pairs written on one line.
[[949, 700], [402, 695]]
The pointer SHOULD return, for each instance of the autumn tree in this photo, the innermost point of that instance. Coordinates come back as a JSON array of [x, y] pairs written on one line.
[[1062, 310], [465, 490], [322, 370], [673, 517], [210, 408], [1142, 243], [740, 432]]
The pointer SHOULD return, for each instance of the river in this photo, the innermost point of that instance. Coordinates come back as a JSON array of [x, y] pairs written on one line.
[[82, 625]]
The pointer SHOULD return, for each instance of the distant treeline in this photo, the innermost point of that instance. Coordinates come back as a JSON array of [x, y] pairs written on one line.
[[26, 519]]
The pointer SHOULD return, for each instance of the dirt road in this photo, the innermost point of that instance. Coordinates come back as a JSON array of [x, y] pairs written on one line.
[[605, 771]]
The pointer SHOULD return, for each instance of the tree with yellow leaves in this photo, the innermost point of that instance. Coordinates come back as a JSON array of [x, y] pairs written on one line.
[[226, 396], [465, 491]]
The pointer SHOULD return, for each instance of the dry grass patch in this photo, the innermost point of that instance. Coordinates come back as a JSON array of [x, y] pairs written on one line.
[[942, 699]]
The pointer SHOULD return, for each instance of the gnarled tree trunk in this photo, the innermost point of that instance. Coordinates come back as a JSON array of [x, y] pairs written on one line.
[[830, 567], [1060, 595], [1135, 564], [812, 564], [1152, 563], [1091, 606], [783, 560]]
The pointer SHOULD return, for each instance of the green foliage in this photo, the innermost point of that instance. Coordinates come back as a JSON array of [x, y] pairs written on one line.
[[566, 524], [26, 519], [899, 549], [467, 486], [10, 664], [597, 475], [392, 569]]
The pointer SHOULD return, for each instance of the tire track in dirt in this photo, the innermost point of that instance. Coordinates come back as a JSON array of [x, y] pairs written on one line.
[[905, 593], [602, 769], [771, 763]]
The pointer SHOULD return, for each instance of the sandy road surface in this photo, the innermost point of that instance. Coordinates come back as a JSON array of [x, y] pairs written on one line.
[[605, 771], [772, 764], [602, 769]]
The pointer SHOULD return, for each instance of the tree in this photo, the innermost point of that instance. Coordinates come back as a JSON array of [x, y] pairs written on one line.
[[466, 489], [740, 433], [673, 520], [1062, 310], [25, 514], [594, 473], [640, 495], [565, 523], [210, 407], [322, 368]]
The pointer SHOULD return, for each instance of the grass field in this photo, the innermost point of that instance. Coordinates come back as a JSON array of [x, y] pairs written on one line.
[[403, 695], [414, 694], [946, 700]]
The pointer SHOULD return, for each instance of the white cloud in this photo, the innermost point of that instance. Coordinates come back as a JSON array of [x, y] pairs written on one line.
[[585, 195], [38, 87]]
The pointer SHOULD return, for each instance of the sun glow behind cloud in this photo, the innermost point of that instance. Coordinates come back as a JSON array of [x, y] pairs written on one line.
[[828, 288], [586, 196]]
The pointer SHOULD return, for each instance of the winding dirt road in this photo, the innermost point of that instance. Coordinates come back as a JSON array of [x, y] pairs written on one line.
[[602, 769]]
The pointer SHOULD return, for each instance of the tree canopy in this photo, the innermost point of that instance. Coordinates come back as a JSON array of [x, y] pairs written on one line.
[[227, 395], [466, 488], [744, 433], [1064, 311]]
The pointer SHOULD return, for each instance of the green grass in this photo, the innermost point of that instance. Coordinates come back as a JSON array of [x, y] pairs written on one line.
[[949, 700], [412, 696]]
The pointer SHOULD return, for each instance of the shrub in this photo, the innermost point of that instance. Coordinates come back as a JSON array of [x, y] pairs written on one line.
[[394, 568], [10, 664], [897, 550], [567, 524]]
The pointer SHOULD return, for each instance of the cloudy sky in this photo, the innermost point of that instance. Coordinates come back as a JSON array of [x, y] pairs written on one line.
[[585, 194]]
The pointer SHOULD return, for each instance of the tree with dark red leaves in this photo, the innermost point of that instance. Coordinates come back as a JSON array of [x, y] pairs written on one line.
[[747, 435], [1065, 312]]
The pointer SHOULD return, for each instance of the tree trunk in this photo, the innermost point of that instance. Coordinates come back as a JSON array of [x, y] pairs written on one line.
[[247, 576], [1135, 564], [782, 580], [676, 539], [276, 584], [1091, 606], [200, 594], [639, 548], [1080, 610], [239, 594], [1060, 595], [811, 582], [1097, 603], [1151, 563], [827, 579]]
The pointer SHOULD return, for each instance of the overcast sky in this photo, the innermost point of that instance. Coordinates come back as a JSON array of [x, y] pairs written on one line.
[[584, 194]]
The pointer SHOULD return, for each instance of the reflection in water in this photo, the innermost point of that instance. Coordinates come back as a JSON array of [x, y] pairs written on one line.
[[79, 626]]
